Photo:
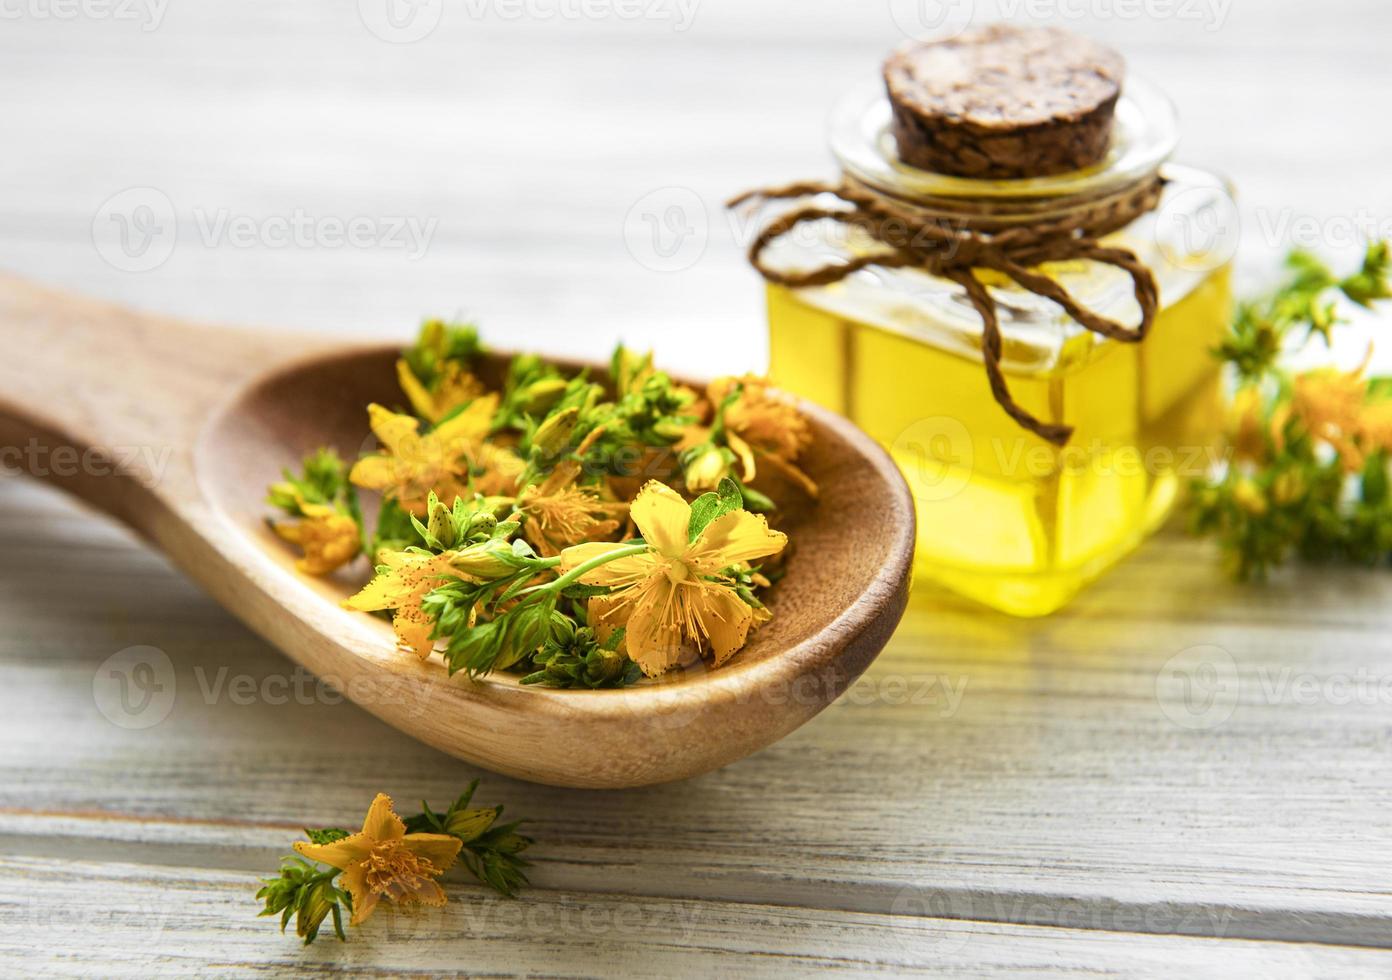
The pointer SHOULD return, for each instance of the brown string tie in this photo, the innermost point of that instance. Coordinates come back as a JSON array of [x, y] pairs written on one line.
[[954, 248]]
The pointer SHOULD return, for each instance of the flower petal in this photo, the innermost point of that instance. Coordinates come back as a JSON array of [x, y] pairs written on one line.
[[354, 882], [328, 540], [428, 893], [390, 427], [735, 537], [725, 619], [662, 517], [468, 427], [439, 849], [339, 854], [743, 453], [383, 592], [381, 822], [576, 555], [653, 638], [292, 531], [409, 576], [420, 399], [374, 473], [789, 472], [413, 629], [609, 612]]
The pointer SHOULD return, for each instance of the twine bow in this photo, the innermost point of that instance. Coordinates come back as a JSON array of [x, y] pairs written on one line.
[[955, 248]]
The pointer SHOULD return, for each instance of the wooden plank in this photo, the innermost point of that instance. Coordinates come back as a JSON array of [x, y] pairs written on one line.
[[993, 763], [529, 236], [136, 920], [1029, 774]]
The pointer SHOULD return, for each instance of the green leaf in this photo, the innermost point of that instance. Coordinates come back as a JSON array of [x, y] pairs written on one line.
[[581, 591], [756, 501], [1375, 482], [709, 506], [326, 835], [1379, 388]]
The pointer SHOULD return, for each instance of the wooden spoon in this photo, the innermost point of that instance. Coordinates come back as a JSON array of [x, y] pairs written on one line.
[[177, 429]]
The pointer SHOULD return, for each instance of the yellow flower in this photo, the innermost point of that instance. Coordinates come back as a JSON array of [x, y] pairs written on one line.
[[1287, 488], [410, 575], [707, 464], [454, 387], [763, 427], [1248, 436], [673, 596], [1330, 404], [445, 460], [560, 514], [1249, 497], [382, 860], [631, 370], [1375, 425], [767, 421], [495, 470], [328, 538]]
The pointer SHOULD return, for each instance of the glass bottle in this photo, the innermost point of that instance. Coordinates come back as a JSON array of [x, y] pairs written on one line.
[[1004, 516]]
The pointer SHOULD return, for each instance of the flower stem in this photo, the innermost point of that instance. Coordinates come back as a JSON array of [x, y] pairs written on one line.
[[575, 573]]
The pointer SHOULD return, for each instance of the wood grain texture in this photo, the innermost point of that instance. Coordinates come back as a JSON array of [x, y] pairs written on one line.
[[1058, 797], [162, 922], [1022, 772]]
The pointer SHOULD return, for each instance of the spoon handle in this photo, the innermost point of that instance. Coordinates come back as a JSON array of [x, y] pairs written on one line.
[[107, 402]]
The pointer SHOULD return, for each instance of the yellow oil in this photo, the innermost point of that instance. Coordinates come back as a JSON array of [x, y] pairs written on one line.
[[1003, 516]]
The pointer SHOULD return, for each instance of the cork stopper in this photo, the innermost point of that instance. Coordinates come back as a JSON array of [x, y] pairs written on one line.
[[1004, 102]]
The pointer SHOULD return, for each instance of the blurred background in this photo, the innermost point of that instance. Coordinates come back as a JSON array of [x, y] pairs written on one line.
[[556, 168]]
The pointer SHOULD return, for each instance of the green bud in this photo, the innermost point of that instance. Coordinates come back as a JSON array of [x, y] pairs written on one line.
[[432, 335], [560, 669], [512, 843], [538, 397], [668, 429], [705, 467], [604, 665], [526, 632], [486, 560], [482, 524], [469, 824], [315, 905], [441, 523], [562, 630], [326, 835], [554, 435], [628, 367]]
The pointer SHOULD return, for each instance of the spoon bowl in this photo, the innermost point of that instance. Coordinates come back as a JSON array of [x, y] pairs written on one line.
[[179, 429]]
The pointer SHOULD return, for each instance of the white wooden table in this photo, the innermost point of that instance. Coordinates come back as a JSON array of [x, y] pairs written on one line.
[[994, 796]]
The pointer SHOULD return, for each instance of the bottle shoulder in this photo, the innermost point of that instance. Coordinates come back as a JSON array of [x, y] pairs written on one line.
[[1187, 239]]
